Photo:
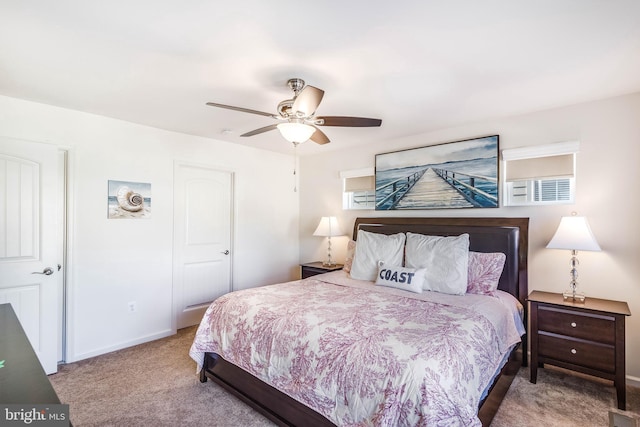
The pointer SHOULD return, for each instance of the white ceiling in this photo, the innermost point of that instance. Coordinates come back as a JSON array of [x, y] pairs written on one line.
[[417, 65]]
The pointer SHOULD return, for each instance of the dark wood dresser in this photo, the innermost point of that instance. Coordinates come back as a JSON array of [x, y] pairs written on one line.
[[22, 379], [584, 337]]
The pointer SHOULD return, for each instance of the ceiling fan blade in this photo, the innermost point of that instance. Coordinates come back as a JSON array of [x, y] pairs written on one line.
[[261, 130], [307, 100], [319, 137], [347, 121], [244, 110]]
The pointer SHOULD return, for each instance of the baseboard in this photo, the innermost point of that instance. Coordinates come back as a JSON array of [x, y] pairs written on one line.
[[120, 346], [633, 381]]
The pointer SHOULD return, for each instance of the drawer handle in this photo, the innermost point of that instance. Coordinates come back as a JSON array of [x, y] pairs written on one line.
[[573, 324], [574, 351]]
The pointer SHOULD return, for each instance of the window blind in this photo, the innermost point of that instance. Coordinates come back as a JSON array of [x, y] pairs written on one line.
[[541, 167], [359, 183]]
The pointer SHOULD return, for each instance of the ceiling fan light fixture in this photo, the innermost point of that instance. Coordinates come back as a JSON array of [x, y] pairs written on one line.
[[296, 132]]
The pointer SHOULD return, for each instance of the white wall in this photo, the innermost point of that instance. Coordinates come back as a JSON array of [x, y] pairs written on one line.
[[608, 172], [116, 261]]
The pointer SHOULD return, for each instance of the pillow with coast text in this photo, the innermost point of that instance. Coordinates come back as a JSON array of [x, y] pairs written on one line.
[[407, 279]]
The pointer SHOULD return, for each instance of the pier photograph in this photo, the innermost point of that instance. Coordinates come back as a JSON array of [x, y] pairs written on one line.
[[460, 174]]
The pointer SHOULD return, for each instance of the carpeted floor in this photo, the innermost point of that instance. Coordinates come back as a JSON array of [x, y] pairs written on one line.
[[155, 384]]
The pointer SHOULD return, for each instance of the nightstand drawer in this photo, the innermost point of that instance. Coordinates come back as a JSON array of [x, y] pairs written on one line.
[[593, 327], [310, 271], [579, 352]]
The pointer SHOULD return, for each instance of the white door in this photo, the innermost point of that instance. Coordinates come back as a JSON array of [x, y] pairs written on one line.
[[29, 242], [202, 240]]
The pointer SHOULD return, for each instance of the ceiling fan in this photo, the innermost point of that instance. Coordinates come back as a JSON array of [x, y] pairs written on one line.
[[298, 122]]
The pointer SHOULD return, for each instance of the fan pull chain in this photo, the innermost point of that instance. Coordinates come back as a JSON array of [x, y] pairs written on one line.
[[295, 166]]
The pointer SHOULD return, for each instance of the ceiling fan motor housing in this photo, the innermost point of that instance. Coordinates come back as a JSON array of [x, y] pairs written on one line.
[[296, 85]]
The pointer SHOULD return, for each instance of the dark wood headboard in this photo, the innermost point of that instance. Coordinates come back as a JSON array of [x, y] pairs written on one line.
[[507, 235]]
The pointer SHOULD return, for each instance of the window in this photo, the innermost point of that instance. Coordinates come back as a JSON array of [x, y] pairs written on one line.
[[358, 189], [540, 175]]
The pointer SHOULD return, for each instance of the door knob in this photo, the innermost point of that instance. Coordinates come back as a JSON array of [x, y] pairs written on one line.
[[225, 252], [47, 271]]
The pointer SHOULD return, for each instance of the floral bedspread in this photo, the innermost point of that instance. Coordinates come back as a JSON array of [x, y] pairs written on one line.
[[364, 355]]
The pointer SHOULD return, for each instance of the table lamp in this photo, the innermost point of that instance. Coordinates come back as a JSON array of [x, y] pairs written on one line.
[[328, 227], [574, 234]]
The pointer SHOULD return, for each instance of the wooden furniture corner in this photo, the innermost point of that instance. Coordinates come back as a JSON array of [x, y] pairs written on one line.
[[22, 379]]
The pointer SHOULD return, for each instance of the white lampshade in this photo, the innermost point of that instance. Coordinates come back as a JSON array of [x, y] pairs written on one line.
[[574, 233], [296, 132], [328, 227]]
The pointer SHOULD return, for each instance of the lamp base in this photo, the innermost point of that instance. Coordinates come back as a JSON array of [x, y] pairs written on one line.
[[574, 296], [328, 264]]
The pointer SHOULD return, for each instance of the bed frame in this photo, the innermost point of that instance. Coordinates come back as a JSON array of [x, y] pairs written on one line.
[[507, 235]]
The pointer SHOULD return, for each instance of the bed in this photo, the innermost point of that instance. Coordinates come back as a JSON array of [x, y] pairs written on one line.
[[304, 383]]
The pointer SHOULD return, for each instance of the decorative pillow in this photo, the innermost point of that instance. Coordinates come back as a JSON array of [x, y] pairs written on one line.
[[485, 270], [348, 261], [374, 247], [446, 260], [407, 279]]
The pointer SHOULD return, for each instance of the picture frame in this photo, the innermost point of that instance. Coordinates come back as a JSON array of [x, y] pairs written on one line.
[[452, 175], [128, 200]]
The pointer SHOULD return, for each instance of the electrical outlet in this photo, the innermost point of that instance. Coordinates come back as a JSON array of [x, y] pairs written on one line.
[[132, 307]]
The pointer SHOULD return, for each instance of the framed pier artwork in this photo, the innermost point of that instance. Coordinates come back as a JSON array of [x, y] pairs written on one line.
[[460, 174]]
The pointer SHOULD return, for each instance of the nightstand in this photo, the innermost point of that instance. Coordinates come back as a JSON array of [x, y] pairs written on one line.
[[312, 268], [584, 337]]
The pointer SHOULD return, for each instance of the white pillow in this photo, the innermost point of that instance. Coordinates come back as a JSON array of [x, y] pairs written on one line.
[[407, 279], [446, 260], [374, 247]]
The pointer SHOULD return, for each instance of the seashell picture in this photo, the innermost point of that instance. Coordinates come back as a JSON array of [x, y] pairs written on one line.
[[129, 200]]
